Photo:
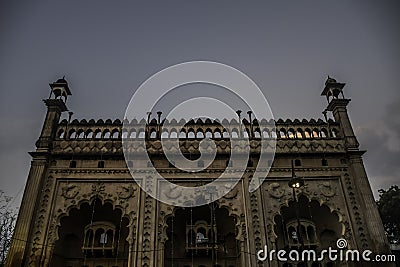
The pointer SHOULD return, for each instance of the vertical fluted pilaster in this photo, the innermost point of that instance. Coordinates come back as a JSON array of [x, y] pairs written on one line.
[[339, 110], [21, 238], [374, 223]]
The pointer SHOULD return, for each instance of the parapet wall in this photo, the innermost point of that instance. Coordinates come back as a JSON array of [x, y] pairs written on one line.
[[306, 136]]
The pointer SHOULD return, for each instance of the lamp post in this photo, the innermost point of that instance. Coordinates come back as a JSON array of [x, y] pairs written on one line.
[[294, 183]]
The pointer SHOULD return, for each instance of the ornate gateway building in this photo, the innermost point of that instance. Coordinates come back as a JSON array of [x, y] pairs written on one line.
[[81, 207]]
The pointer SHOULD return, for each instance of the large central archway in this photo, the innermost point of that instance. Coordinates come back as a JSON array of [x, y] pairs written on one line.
[[203, 236]]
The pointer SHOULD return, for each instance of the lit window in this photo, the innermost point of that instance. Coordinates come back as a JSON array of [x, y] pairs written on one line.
[[103, 238], [200, 238]]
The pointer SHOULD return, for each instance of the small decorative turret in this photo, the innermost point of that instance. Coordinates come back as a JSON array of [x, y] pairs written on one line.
[[338, 106], [55, 106], [60, 89], [333, 89]]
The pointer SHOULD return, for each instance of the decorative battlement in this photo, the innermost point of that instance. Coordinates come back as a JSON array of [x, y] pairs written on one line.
[[292, 136], [199, 129], [91, 137]]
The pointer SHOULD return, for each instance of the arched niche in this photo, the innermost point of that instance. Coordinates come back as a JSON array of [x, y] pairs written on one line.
[[91, 233], [307, 224], [199, 234]]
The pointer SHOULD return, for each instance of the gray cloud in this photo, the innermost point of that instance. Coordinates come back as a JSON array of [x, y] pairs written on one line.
[[382, 140]]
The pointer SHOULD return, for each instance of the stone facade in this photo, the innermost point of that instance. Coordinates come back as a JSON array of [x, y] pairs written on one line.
[[81, 206]]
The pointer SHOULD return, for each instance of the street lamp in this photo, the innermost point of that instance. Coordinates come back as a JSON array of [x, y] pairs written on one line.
[[296, 182]]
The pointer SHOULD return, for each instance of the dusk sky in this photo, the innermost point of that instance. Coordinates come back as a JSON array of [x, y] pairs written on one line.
[[106, 49]]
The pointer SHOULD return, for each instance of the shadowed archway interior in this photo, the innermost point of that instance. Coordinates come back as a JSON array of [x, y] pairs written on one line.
[[93, 235], [202, 236], [312, 226]]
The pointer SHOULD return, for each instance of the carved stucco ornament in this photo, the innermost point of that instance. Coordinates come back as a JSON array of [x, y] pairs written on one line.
[[347, 234], [275, 190], [327, 189], [98, 189], [231, 194], [173, 192], [70, 191], [126, 192]]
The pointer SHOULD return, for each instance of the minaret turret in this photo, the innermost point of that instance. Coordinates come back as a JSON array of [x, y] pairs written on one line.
[[55, 106], [60, 89], [36, 179], [337, 104]]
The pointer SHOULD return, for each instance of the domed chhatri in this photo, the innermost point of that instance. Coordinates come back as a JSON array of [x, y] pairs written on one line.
[[60, 89], [333, 89]]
